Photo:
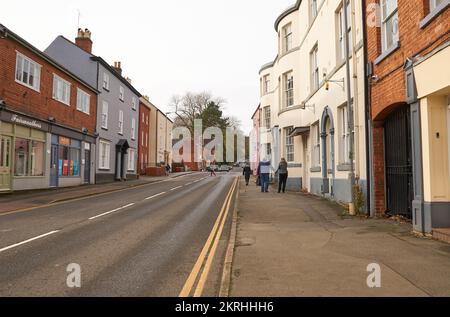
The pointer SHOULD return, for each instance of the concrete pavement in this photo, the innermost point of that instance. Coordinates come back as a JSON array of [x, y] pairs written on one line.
[[300, 245], [138, 242]]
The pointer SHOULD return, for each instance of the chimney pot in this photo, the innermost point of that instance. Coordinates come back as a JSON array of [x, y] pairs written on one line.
[[83, 40]]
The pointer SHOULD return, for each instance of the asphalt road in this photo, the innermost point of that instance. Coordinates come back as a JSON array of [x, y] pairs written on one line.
[[138, 242]]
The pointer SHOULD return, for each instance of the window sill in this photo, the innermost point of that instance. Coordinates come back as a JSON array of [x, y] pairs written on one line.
[[28, 86], [344, 167], [315, 169], [387, 53], [103, 128], [62, 102], [29, 177], [432, 15], [104, 169]]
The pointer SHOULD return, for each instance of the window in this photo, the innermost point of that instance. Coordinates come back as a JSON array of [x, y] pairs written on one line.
[[269, 149], [341, 31], [61, 90], [120, 122], [83, 101], [314, 68], [121, 93], [434, 4], [105, 81], [313, 13], [133, 129], [105, 108], [288, 90], [267, 118], [289, 144], [131, 155], [133, 103], [287, 38], [344, 140], [105, 149], [28, 73], [69, 153], [29, 158], [266, 84], [390, 31], [316, 145]]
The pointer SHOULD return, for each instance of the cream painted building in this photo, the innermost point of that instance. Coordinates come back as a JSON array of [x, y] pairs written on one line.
[[304, 111]]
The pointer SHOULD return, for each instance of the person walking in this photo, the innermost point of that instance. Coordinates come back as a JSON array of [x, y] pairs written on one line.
[[167, 170], [283, 175], [264, 168], [247, 172]]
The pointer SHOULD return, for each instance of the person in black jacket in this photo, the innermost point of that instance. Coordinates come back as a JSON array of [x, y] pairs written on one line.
[[247, 172]]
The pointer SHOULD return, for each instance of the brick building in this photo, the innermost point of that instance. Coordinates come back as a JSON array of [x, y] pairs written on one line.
[[47, 120], [144, 138], [408, 54]]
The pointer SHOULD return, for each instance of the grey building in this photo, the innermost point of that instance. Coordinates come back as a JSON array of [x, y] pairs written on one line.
[[117, 106]]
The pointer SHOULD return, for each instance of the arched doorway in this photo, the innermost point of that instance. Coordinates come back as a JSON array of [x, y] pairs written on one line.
[[328, 159]]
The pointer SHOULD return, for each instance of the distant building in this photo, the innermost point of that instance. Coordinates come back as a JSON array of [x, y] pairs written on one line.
[[47, 120], [118, 106]]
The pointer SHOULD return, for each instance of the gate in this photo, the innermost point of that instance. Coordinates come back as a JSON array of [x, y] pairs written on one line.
[[399, 175]]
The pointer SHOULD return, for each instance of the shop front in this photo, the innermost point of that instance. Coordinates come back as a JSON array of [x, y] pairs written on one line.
[[24, 151]]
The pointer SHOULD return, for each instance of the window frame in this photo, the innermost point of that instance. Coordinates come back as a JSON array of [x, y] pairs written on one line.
[[80, 107], [133, 129], [289, 145], [267, 117], [315, 128], [314, 64], [287, 38], [57, 78], [121, 93], [37, 76], [344, 136], [104, 115], [107, 155], [132, 160], [384, 22], [121, 121], [288, 89]]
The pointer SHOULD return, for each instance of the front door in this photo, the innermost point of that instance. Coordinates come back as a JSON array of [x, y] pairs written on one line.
[[5, 163], [54, 167], [399, 176], [87, 166]]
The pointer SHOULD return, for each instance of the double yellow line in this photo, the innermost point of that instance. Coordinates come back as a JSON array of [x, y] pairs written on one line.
[[209, 250]]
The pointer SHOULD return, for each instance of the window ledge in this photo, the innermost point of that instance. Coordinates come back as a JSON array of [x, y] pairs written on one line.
[[432, 15], [344, 168], [315, 169], [387, 53]]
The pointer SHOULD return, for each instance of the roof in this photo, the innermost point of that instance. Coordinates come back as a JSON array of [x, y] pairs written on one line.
[[288, 11], [157, 109], [258, 108], [7, 33]]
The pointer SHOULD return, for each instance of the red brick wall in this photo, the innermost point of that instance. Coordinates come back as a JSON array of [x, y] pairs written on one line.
[[143, 128], [41, 105], [389, 92]]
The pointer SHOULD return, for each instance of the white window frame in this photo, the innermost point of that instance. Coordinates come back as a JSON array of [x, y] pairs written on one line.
[[133, 103], [344, 136], [58, 90], [106, 81], [266, 84], [314, 61], [386, 17], [314, 9], [289, 146], [121, 93], [83, 101], [341, 33], [315, 136], [267, 117], [133, 129], [288, 79], [120, 122], [434, 4], [22, 59], [287, 38], [104, 155], [105, 115], [131, 160]]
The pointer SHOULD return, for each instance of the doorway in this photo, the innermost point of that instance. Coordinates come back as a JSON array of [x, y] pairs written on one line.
[[5, 163], [87, 166], [398, 160], [54, 166]]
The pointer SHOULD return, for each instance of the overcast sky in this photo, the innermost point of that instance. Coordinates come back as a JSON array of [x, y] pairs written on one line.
[[167, 47]]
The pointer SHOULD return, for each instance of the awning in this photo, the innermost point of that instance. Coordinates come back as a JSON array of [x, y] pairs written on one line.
[[299, 131]]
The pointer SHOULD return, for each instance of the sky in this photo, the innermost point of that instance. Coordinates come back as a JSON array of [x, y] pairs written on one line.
[[166, 47]]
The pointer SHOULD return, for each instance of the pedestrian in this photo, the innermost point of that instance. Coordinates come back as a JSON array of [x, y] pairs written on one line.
[[167, 170], [283, 175], [213, 173], [265, 167], [247, 171]]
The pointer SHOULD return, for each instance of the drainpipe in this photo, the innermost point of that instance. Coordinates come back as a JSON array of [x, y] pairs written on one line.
[[351, 123]]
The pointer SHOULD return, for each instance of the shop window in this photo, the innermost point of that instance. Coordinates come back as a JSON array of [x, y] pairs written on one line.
[[69, 157], [29, 158]]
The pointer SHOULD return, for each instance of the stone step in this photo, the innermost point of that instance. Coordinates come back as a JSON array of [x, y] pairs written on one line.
[[442, 234]]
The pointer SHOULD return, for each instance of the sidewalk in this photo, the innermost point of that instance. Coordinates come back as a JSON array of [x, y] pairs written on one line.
[[31, 199], [301, 245]]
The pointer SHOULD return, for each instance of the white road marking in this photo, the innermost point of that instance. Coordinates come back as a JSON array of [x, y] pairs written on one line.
[[28, 241], [112, 211], [154, 196], [176, 188]]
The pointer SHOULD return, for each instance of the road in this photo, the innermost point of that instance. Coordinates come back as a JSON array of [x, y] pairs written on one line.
[[139, 242]]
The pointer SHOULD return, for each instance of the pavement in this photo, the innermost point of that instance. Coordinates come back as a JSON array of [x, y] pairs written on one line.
[[31, 199], [300, 245], [139, 241]]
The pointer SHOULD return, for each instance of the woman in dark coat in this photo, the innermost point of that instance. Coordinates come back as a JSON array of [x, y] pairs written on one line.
[[247, 172], [282, 175]]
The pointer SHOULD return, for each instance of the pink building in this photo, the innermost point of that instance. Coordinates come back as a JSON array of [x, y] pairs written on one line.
[[255, 140]]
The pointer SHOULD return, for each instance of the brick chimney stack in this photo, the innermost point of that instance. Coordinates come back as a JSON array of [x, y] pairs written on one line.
[[84, 41], [118, 67]]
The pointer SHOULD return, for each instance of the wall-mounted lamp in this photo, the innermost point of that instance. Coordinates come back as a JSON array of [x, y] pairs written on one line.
[[85, 130], [2, 104], [338, 82], [51, 119]]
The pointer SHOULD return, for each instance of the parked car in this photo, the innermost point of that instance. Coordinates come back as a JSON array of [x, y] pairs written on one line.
[[224, 168]]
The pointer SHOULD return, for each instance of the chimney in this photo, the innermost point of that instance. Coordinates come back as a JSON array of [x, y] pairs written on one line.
[[84, 41], [118, 67]]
